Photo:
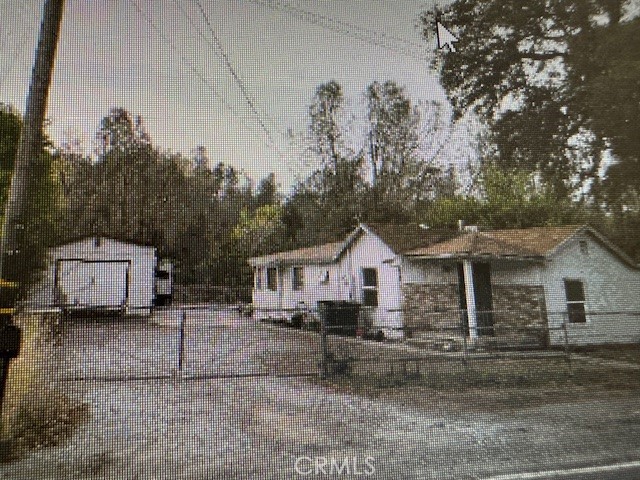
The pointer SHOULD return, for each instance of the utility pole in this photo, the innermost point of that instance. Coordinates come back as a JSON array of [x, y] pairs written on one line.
[[26, 166]]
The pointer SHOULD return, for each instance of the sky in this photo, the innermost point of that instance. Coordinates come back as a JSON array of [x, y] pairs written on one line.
[[162, 61]]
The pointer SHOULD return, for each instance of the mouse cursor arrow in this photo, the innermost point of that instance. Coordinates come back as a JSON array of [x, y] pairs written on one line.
[[445, 37]]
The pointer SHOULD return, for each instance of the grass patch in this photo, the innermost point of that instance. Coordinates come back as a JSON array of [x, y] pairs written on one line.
[[624, 353], [34, 414], [492, 384]]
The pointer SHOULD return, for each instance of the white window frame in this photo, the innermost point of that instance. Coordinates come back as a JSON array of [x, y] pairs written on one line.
[[258, 278], [370, 288], [295, 286], [268, 284], [582, 302]]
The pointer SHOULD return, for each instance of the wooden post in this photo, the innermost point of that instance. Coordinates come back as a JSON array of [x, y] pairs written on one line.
[[30, 144], [27, 157]]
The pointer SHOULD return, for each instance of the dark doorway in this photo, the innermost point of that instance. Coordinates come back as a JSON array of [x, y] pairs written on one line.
[[484, 301]]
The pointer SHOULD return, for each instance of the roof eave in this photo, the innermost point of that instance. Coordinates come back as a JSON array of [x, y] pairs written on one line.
[[470, 256]]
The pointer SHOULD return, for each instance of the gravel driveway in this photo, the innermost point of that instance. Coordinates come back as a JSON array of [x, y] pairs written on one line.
[[161, 426]]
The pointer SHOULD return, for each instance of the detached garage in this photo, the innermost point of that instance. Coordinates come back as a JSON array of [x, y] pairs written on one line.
[[99, 274]]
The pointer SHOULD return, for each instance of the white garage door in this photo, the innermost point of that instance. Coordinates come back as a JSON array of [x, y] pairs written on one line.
[[93, 284]]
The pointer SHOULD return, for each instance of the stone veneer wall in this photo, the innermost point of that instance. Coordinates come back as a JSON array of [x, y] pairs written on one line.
[[430, 306], [519, 310]]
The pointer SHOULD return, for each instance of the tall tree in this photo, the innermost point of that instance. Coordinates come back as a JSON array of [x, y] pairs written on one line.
[[518, 65], [401, 173], [393, 131], [325, 113], [605, 79]]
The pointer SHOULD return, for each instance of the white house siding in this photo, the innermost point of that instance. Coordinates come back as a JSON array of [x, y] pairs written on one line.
[[369, 251], [344, 283], [510, 272], [282, 302], [611, 288], [141, 271], [429, 272]]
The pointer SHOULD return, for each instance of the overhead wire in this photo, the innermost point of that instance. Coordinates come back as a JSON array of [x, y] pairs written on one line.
[[378, 39], [186, 61], [236, 77]]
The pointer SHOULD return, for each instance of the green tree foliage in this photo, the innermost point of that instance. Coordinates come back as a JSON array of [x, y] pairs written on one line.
[[605, 78], [506, 199], [261, 231], [41, 220], [387, 178], [185, 207], [528, 69], [10, 126]]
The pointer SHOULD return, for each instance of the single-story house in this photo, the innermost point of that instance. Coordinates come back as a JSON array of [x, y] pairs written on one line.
[[98, 273], [488, 283]]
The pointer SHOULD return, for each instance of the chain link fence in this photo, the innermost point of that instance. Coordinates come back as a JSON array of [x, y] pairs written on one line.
[[237, 340]]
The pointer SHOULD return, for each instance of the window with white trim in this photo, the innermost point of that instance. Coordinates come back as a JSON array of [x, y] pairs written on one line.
[[258, 278], [584, 247], [574, 291], [297, 278], [370, 287], [272, 279]]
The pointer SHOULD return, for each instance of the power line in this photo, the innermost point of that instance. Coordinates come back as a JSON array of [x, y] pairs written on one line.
[[186, 61], [349, 29], [233, 72], [218, 47]]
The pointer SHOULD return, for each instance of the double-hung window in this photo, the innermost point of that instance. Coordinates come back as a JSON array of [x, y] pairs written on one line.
[[258, 279], [297, 278], [272, 279], [370, 287], [574, 291]]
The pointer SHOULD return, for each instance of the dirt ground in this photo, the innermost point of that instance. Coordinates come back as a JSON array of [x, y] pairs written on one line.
[[497, 381], [624, 353], [211, 420]]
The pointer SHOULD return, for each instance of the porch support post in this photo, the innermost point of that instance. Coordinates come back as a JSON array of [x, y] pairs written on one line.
[[470, 295]]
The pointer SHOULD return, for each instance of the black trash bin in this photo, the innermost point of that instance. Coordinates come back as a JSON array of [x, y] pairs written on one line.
[[341, 316]]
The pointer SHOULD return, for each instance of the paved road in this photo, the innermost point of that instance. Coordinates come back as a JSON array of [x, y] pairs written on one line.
[[168, 428]]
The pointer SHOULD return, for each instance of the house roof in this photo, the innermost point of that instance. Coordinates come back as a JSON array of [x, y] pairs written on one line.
[[415, 241], [400, 238], [325, 253], [526, 243], [403, 238]]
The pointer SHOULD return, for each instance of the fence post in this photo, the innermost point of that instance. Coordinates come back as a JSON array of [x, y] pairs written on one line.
[[567, 351], [465, 347], [324, 346], [181, 340]]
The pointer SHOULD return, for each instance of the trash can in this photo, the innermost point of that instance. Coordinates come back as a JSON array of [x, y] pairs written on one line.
[[341, 316]]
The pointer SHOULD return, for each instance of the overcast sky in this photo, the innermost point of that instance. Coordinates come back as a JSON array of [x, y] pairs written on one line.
[[174, 76]]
